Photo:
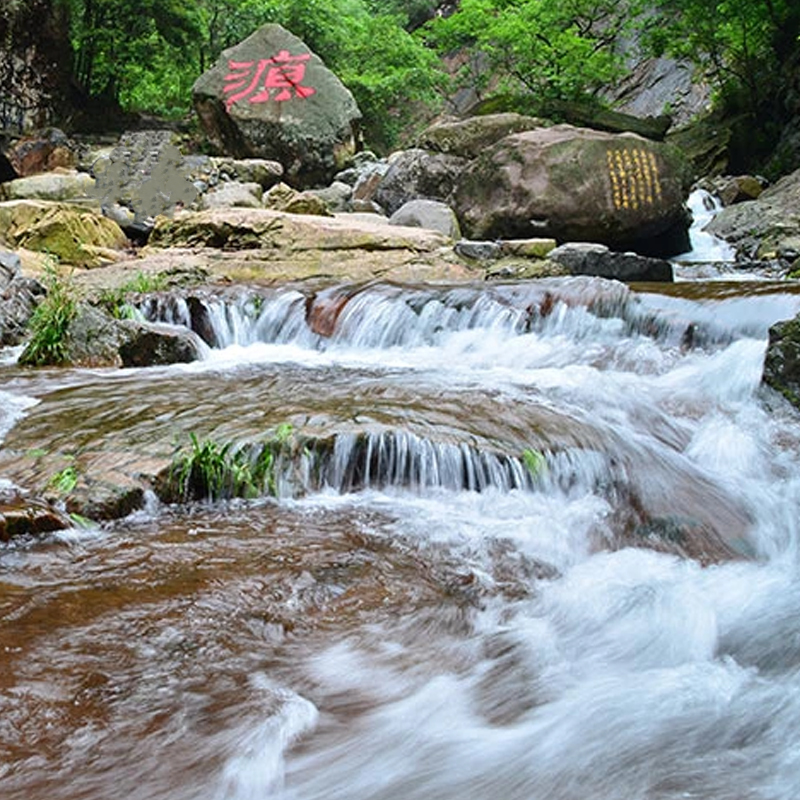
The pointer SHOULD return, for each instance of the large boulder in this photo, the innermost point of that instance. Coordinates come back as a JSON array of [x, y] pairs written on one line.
[[76, 236], [576, 184], [271, 97], [765, 228]]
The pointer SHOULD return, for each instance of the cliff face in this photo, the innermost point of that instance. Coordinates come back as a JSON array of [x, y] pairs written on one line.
[[35, 64]]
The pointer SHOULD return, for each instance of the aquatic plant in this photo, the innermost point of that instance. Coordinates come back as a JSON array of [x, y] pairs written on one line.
[[216, 471], [535, 462], [48, 343], [115, 301], [64, 481]]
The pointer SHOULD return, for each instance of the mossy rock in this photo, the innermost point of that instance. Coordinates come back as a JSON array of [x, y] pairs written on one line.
[[77, 237]]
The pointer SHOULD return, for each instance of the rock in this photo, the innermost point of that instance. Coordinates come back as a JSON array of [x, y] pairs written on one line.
[[146, 173], [149, 345], [24, 516], [575, 184], [233, 195], [263, 245], [478, 251], [10, 266], [782, 360], [366, 183], [763, 228], [430, 214], [468, 138], [597, 260], [271, 97], [284, 198], [18, 298], [418, 174], [44, 153], [249, 170], [57, 186], [527, 248], [655, 84], [336, 196], [96, 339], [738, 188], [78, 237]]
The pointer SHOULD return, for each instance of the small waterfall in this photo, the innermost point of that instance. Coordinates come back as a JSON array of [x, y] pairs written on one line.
[[385, 316], [706, 248]]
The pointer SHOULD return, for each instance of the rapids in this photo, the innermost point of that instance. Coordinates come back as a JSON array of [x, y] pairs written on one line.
[[423, 613]]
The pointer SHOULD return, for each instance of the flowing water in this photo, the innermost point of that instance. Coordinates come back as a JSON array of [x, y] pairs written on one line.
[[550, 550]]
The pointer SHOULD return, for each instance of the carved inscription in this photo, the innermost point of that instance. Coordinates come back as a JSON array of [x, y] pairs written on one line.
[[278, 78], [635, 180]]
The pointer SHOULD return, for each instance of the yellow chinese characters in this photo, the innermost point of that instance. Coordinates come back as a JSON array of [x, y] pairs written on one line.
[[635, 181]]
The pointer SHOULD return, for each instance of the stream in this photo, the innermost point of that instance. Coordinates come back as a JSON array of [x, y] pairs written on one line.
[[428, 616]]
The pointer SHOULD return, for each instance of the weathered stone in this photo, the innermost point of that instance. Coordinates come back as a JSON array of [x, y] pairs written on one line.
[[10, 266], [284, 198], [96, 339], [55, 186], [760, 229], [430, 214], [283, 104], [527, 248], [153, 345], [582, 258], [782, 360], [17, 304], [249, 170], [234, 195], [738, 188], [418, 174], [44, 153], [468, 138], [74, 236], [574, 184], [336, 196], [27, 516], [478, 251]]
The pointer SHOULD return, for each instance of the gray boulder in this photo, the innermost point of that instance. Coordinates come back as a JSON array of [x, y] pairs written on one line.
[[271, 97], [576, 184], [18, 299], [766, 228], [582, 258], [430, 214], [418, 174]]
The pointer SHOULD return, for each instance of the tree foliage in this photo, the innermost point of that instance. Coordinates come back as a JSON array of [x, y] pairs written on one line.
[[544, 50], [737, 45]]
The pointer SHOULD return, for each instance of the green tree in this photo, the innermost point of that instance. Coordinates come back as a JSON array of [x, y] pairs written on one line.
[[542, 51], [737, 45]]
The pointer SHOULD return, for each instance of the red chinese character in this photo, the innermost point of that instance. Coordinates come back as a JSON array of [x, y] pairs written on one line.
[[256, 80]]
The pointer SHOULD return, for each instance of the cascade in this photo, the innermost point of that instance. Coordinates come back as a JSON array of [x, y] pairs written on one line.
[[535, 541]]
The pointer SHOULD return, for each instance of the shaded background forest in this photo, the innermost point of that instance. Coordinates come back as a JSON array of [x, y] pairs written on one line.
[[403, 59]]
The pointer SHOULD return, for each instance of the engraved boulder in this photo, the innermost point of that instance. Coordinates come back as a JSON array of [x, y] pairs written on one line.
[[271, 97], [576, 184]]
